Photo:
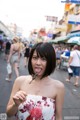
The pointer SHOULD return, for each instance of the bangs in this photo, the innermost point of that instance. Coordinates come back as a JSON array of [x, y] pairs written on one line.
[[40, 50]]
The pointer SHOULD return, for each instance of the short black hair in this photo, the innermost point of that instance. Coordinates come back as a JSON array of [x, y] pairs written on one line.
[[43, 50]]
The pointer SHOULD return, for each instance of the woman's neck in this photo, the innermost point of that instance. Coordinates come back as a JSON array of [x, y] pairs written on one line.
[[41, 79]]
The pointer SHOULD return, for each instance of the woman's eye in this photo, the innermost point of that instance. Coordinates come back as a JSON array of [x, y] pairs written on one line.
[[34, 58], [43, 58]]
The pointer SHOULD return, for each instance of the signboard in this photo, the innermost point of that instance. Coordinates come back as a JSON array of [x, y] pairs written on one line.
[[67, 6], [74, 19], [71, 1], [52, 18]]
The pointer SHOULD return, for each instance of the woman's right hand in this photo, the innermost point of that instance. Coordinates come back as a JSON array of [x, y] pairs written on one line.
[[19, 97]]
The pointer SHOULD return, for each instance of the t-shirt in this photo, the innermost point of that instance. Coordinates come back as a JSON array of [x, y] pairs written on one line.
[[76, 60], [67, 53]]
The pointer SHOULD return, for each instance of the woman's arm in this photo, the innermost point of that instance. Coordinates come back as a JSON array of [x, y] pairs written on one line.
[[59, 101], [19, 52], [16, 98]]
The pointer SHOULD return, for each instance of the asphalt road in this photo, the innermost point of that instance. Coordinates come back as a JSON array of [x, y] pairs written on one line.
[[71, 108]]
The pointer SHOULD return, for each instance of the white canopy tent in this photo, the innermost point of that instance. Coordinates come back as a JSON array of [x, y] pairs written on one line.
[[74, 40]]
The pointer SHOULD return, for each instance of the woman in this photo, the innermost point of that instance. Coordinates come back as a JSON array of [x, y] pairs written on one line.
[[26, 54], [14, 57], [7, 49], [37, 96]]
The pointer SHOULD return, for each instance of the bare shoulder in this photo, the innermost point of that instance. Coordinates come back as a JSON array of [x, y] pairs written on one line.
[[22, 79], [58, 84]]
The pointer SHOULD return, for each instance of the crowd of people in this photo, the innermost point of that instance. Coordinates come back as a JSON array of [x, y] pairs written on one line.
[[71, 56], [65, 57]]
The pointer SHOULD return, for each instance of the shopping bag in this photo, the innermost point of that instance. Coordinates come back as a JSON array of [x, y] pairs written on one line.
[[9, 68], [70, 70]]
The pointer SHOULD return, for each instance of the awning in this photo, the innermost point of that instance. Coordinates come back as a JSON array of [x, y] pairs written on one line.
[[75, 33], [62, 39], [74, 40]]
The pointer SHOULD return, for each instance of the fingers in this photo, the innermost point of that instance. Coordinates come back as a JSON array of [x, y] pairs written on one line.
[[19, 97]]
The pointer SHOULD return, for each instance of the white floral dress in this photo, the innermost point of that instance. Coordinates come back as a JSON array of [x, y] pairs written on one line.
[[36, 108]]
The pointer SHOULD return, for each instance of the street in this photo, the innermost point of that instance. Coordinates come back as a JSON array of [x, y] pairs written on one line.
[[71, 108]]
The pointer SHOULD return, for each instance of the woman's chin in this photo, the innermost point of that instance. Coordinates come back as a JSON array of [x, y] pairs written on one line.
[[39, 75]]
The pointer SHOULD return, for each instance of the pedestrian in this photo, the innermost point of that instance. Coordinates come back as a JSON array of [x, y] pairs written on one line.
[[74, 65], [14, 57], [7, 49], [26, 54], [38, 96], [58, 59]]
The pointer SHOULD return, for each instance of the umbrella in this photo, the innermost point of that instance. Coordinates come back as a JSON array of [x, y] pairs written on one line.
[[74, 40]]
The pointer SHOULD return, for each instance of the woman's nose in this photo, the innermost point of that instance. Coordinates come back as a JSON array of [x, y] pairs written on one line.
[[38, 61]]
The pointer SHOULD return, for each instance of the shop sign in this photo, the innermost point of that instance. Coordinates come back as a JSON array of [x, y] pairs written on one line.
[[51, 18], [74, 19], [71, 1]]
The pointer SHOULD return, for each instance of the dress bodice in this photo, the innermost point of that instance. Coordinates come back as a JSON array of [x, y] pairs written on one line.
[[36, 108]]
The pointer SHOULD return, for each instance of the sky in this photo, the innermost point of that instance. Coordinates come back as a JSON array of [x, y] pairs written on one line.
[[30, 14]]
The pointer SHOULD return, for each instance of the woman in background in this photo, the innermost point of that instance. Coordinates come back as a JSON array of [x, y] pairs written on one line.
[[14, 57], [26, 54]]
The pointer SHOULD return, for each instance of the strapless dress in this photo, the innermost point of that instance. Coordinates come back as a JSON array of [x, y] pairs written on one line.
[[36, 107]]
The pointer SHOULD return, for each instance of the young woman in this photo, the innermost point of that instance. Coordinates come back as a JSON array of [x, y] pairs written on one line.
[[14, 57], [38, 96]]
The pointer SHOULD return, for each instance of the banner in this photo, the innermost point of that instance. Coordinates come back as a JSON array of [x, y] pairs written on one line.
[[71, 1], [52, 18], [74, 19]]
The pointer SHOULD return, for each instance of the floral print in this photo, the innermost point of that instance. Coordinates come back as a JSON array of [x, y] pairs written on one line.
[[36, 113], [36, 108]]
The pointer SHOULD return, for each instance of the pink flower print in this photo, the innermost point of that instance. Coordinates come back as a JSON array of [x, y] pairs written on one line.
[[45, 104], [22, 110], [53, 117], [44, 98], [29, 118], [36, 113], [25, 108], [39, 102]]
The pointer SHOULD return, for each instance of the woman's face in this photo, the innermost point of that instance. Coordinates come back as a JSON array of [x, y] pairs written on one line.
[[38, 64]]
